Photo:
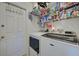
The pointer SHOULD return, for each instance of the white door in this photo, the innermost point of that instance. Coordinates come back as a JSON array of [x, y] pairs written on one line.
[[2, 30], [12, 30]]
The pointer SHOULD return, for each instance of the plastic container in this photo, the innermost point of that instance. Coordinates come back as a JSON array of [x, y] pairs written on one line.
[[74, 13], [77, 13]]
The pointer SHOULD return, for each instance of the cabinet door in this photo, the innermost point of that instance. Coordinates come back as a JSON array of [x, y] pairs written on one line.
[[2, 28], [49, 48], [52, 47]]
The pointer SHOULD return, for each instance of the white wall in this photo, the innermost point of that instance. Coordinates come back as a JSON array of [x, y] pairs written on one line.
[[68, 25]]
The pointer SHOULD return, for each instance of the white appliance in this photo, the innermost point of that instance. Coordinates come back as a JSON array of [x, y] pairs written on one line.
[[55, 47]]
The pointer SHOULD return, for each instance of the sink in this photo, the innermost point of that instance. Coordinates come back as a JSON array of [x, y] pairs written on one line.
[[67, 37], [57, 34]]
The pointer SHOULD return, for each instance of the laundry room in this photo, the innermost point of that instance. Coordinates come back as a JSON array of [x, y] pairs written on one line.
[[39, 28]]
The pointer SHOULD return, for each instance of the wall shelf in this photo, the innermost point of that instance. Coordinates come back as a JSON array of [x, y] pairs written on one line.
[[69, 7], [66, 18]]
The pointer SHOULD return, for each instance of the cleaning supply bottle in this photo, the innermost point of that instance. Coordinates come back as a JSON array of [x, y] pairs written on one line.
[[77, 13], [74, 13]]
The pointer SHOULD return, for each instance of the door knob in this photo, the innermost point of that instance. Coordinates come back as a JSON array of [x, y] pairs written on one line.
[[2, 37], [2, 25]]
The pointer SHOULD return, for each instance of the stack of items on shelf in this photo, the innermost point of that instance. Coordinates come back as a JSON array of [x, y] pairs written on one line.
[[69, 9], [56, 11], [66, 10], [42, 11]]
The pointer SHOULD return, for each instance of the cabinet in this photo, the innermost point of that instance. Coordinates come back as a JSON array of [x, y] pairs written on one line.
[[12, 30], [52, 47]]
